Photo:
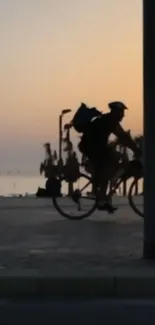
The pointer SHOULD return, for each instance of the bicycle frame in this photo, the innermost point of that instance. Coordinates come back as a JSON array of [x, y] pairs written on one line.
[[118, 183], [111, 192]]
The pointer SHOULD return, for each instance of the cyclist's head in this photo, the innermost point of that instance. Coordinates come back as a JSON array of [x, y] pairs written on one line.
[[117, 109], [83, 105]]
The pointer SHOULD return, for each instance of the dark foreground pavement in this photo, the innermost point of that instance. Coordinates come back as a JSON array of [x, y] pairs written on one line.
[[78, 312]]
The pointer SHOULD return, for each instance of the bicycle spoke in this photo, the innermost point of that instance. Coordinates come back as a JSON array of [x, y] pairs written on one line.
[[75, 205]]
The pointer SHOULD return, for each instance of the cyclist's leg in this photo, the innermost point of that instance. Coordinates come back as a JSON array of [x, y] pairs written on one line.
[[103, 165], [119, 170], [106, 165]]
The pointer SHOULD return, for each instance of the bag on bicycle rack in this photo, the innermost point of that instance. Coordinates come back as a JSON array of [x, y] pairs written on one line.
[[83, 116]]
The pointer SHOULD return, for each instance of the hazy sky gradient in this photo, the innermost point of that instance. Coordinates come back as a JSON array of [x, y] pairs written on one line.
[[57, 53]]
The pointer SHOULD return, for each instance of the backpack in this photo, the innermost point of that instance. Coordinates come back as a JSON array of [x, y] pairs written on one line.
[[83, 117]]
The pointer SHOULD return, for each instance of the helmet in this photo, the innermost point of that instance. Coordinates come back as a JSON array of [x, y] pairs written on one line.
[[117, 105]]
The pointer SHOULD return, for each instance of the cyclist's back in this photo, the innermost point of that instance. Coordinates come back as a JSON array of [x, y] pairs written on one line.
[[100, 129], [94, 142]]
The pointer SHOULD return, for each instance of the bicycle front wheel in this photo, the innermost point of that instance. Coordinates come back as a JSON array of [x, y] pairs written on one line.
[[78, 204], [135, 201]]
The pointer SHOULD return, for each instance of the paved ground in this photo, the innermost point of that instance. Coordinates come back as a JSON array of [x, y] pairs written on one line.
[[101, 255], [42, 241]]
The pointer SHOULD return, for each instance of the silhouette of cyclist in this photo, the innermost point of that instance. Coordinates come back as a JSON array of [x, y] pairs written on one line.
[[94, 145]]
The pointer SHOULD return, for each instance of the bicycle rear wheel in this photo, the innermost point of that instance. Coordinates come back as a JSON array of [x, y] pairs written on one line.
[[82, 204], [135, 202]]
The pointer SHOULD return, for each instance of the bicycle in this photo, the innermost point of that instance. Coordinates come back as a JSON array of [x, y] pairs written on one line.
[[133, 169]]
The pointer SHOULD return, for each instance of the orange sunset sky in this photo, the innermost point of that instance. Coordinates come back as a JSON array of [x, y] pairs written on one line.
[[57, 53]]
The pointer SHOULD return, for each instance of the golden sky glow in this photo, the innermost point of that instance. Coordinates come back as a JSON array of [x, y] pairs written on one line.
[[57, 53]]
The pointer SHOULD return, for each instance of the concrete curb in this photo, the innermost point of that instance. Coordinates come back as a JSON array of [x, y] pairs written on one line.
[[55, 286], [135, 286], [108, 286]]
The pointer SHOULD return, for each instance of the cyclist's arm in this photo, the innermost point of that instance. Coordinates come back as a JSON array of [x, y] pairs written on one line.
[[68, 126], [126, 139]]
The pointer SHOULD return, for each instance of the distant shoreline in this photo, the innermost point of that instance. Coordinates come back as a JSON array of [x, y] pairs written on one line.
[[20, 175], [27, 185]]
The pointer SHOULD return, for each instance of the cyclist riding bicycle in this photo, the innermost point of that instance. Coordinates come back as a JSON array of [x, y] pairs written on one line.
[[95, 145]]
